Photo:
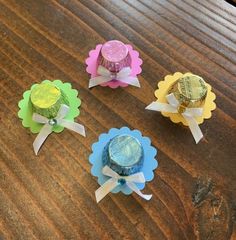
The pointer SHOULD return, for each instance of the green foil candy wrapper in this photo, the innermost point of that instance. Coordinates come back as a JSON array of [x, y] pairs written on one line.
[[46, 99]]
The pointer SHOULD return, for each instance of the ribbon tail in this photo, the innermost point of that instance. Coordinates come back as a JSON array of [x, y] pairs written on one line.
[[107, 187], [161, 107], [98, 80], [133, 187], [194, 128], [41, 137], [130, 80], [76, 127]]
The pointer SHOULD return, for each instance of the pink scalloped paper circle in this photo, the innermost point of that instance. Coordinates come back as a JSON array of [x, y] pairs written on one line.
[[91, 62]]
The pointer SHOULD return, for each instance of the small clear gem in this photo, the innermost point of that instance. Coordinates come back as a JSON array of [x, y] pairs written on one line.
[[52, 122], [181, 109], [113, 75], [122, 181]]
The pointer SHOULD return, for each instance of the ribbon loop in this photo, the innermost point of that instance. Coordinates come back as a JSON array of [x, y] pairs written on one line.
[[63, 111], [161, 107], [136, 177], [124, 72], [196, 112], [49, 123], [189, 114], [103, 71], [38, 118], [106, 76], [116, 179], [172, 100], [107, 171]]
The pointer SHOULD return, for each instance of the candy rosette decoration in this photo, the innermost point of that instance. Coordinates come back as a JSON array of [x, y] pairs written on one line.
[[113, 64], [47, 107], [185, 98], [123, 161]]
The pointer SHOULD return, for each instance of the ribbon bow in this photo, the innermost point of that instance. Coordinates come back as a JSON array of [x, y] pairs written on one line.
[[189, 114], [105, 76], [116, 179], [49, 123]]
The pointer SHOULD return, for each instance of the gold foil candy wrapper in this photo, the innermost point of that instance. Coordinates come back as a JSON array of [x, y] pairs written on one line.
[[190, 91], [46, 99]]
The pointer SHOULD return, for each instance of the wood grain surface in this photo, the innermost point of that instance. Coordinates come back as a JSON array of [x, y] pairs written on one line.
[[51, 196]]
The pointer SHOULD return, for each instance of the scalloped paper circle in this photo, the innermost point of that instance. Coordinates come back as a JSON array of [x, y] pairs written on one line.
[[92, 65], [25, 113], [150, 163], [161, 92]]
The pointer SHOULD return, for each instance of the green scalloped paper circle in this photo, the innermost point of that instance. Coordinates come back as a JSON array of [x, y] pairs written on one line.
[[25, 113]]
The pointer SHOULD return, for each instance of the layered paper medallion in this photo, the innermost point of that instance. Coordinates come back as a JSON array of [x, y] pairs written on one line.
[[50, 106], [123, 161], [185, 98], [113, 64]]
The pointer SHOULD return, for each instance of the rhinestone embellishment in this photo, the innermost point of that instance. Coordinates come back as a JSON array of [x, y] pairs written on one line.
[[52, 122], [122, 181]]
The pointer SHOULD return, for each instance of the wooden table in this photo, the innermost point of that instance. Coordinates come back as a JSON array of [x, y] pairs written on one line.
[[51, 196]]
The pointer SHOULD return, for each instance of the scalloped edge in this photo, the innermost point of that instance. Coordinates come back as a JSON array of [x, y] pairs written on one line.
[[96, 161], [24, 110], [92, 60], [162, 89]]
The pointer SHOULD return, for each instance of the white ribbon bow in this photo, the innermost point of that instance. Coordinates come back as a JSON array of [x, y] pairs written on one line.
[[189, 114], [49, 123], [116, 179], [105, 76]]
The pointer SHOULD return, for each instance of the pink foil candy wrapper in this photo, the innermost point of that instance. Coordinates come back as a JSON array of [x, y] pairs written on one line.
[[114, 56]]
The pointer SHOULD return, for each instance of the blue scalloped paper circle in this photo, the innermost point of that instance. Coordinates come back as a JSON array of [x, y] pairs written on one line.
[[150, 163]]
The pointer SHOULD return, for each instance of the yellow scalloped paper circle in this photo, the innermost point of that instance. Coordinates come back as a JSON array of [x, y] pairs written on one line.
[[161, 92]]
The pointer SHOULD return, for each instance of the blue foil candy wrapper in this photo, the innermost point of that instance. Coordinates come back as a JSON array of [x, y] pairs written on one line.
[[123, 154]]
